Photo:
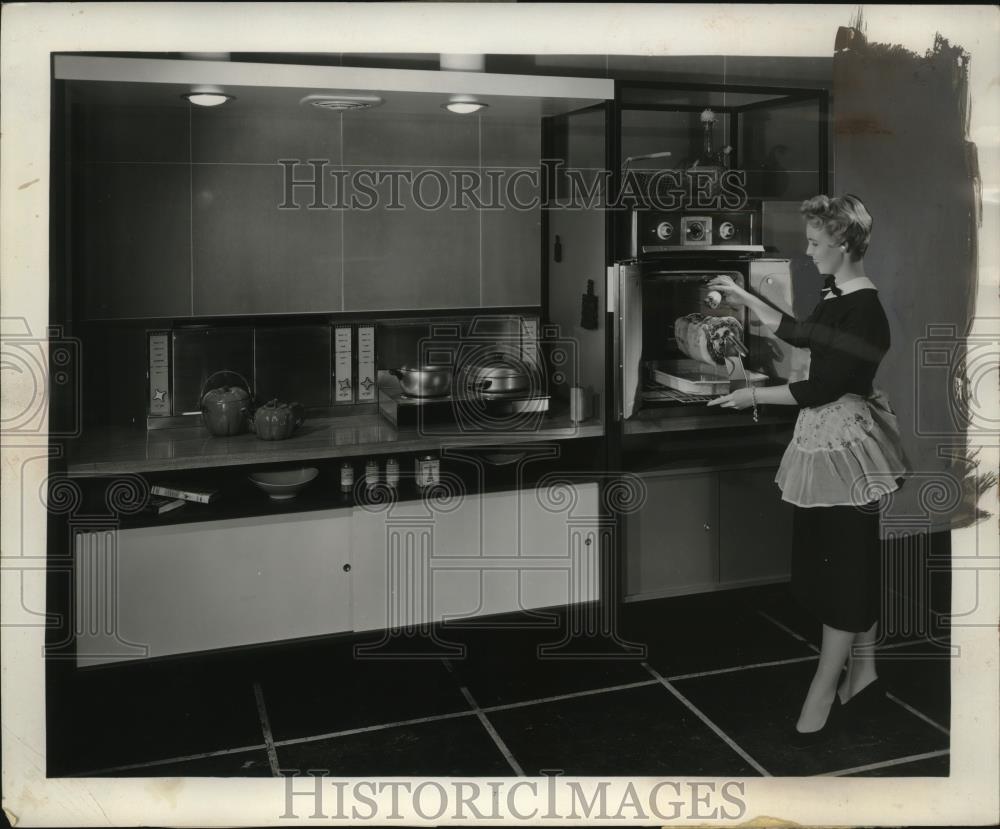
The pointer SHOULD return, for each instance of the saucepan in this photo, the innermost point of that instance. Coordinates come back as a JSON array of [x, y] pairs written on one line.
[[424, 380], [498, 375]]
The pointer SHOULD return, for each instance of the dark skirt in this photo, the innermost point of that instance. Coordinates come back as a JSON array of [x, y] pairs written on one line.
[[837, 565]]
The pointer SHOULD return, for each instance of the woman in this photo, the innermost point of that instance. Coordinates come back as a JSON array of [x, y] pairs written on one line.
[[844, 454]]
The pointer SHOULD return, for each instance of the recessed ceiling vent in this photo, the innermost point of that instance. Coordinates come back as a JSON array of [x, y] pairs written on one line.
[[342, 103]]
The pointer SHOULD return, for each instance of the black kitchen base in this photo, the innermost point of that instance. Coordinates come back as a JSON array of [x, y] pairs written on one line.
[[714, 693]]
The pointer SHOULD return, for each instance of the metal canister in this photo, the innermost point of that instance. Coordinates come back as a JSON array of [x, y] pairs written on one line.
[[424, 471], [392, 473], [371, 474], [346, 477]]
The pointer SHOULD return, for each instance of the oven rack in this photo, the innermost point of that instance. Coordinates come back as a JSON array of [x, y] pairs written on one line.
[[655, 393]]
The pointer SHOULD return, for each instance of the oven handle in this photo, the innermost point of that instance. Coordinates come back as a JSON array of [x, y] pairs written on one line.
[[624, 283], [614, 277]]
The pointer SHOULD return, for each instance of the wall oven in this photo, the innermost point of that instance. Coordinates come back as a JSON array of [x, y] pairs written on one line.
[[662, 304]]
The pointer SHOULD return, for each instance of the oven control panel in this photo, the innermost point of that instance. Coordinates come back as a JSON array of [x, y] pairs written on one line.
[[668, 232]]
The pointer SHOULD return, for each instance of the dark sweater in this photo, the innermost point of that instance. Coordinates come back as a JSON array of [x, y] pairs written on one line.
[[847, 337]]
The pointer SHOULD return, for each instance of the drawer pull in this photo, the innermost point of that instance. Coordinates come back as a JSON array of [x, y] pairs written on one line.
[[347, 568], [706, 527]]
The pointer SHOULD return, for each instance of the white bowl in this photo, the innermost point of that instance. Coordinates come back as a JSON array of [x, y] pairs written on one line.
[[283, 484]]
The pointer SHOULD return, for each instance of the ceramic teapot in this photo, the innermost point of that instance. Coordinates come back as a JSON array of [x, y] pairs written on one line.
[[277, 421], [224, 409]]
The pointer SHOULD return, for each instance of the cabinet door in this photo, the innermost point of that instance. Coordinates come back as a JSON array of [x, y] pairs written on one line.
[[501, 552], [755, 537], [560, 533], [398, 556], [672, 541], [194, 587], [133, 240]]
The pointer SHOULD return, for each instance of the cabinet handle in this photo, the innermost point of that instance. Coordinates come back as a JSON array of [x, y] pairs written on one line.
[[347, 568], [706, 527], [589, 541]]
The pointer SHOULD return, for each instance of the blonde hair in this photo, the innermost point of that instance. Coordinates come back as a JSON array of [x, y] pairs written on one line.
[[845, 218]]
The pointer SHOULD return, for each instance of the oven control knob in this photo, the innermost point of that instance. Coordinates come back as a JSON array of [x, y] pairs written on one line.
[[727, 230], [696, 231], [664, 230]]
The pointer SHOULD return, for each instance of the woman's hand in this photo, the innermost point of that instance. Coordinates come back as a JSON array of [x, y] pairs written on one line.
[[739, 399], [733, 293]]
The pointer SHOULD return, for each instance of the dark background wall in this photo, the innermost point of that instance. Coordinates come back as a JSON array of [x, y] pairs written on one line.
[[899, 136]]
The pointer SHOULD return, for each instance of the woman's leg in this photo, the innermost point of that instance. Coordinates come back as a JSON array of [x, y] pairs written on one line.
[[833, 653], [860, 664]]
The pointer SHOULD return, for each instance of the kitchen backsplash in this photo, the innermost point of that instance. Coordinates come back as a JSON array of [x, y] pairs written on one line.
[[329, 367]]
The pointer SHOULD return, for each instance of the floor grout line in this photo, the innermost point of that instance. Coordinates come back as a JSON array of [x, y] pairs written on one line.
[[717, 671], [704, 718], [184, 758], [884, 764], [574, 694], [265, 727], [485, 722], [788, 630], [917, 713], [349, 732]]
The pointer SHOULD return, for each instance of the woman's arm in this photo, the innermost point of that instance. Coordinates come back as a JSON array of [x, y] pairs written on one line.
[[784, 327], [765, 395]]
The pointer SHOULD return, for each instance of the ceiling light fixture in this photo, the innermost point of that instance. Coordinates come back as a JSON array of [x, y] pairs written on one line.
[[464, 105], [207, 99], [207, 96]]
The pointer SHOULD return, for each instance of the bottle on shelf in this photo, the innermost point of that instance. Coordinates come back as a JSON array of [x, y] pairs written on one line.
[[371, 473], [392, 473], [346, 477], [424, 471]]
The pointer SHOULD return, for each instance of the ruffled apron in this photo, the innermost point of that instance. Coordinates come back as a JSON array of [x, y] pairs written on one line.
[[847, 452]]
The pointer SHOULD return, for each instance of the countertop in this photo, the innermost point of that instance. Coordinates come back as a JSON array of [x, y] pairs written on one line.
[[123, 450]]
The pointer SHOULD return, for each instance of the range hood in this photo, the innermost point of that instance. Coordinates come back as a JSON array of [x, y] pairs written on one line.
[[156, 81]]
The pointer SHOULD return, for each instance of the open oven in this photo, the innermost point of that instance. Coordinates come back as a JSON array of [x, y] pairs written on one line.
[[665, 314]]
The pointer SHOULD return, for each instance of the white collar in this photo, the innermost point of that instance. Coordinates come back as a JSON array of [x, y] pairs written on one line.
[[859, 283]]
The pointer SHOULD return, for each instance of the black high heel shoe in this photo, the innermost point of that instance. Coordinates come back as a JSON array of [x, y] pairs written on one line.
[[865, 700], [804, 739]]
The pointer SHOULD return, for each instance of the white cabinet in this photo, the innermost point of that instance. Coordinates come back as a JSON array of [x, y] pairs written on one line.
[[158, 591], [183, 588], [426, 561]]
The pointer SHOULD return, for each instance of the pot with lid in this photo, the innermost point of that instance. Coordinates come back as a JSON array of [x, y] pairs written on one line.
[[424, 380], [498, 375], [224, 408], [276, 421]]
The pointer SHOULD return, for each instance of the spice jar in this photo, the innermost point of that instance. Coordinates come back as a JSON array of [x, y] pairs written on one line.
[[346, 477], [392, 473], [371, 474], [424, 471]]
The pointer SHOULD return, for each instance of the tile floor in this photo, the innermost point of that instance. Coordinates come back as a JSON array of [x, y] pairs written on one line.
[[715, 691]]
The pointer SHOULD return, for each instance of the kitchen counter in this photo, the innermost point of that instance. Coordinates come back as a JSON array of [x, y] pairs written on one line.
[[123, 450]]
